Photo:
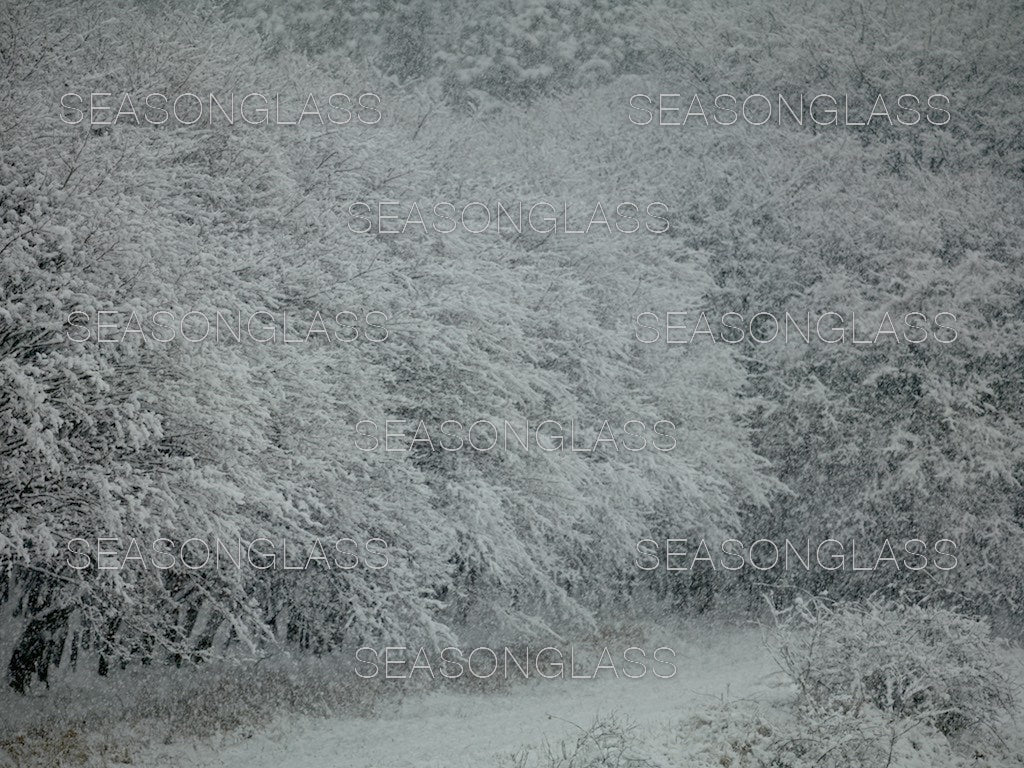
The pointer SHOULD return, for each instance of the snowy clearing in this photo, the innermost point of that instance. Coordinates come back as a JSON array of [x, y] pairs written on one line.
[[451, 730]]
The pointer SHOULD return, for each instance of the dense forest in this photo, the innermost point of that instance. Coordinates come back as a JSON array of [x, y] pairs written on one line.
[[321, 424]]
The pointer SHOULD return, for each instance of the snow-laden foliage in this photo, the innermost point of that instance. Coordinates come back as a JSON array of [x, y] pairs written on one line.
[[610, 741], [146, 440], [153, 440], [745, 734], [913, 664]]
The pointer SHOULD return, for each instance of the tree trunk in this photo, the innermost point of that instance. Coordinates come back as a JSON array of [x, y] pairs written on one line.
[[40, 646]]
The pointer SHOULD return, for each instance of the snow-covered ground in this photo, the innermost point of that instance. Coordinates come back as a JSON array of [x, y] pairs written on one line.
[[450, 729], [727, 706]]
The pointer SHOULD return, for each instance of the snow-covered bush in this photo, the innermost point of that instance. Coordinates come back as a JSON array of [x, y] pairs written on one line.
[[104, 722], [611, 741], [913, 664], [742, 735], [63, 745], [747, 734]]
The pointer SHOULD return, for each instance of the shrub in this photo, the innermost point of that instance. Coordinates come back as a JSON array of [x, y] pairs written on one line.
[[914, 664], [745, 734], [609, 742]]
